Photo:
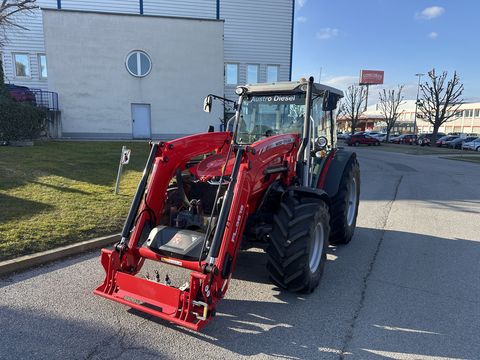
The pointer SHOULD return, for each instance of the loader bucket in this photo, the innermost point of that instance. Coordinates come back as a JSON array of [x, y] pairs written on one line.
[[163, 301]]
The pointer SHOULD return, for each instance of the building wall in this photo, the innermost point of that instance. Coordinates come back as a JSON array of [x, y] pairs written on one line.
[[96, 90], [29, 42], [467, 121], [256, 32]]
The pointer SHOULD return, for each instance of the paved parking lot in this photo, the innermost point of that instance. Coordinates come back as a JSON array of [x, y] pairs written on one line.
[[407, 287]]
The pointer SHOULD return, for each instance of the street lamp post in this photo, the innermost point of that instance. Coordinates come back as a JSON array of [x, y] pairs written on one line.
[[416, 103]]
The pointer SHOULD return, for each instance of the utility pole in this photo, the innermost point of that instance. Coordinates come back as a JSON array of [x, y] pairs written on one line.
[[416, 103], [366, 97]]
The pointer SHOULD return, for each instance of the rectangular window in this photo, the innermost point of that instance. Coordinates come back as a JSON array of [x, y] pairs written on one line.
[[272, 73], [477, 113], [22, 65], [252, 74], [468, 113], [42, 66], [459, 114], [231, 74]]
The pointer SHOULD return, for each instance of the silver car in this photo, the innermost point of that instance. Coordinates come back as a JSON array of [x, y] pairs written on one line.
[[472, 145]]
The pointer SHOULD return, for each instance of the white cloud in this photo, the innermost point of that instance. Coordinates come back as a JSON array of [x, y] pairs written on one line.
[[327, 33], [301, 3], [430, 13], [433, 35], [302, 19], [341, 82]]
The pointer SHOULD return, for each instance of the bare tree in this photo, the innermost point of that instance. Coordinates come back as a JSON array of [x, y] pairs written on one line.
[[8, 10], [340, 113], [354, 104], [440, 101], [389, 103]]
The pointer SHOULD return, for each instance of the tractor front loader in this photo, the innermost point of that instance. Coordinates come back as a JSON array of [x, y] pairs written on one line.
[[275, 177]]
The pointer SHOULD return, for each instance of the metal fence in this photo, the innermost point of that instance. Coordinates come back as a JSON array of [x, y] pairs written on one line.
[[46, 99]]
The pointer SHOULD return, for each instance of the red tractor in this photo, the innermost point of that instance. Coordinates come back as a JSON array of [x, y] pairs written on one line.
[[276, 178]]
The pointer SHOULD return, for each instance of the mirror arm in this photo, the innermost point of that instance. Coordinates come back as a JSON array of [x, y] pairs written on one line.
[[222, 98]]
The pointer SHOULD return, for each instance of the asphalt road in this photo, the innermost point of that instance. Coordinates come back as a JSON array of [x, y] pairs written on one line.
[[407, 287]]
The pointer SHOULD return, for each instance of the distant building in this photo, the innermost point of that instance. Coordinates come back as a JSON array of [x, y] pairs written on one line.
[[113, 62], [466, 121]]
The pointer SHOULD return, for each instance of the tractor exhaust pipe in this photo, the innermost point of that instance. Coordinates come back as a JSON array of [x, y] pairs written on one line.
[[303, 157]]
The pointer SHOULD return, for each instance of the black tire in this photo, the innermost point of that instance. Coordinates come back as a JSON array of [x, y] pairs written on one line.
[[342, 222], [296, 256]]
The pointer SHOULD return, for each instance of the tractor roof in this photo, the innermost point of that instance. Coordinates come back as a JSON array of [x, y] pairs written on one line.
[[290, 87]]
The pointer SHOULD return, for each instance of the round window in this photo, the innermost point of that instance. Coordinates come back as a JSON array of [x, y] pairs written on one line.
[[138, 63]]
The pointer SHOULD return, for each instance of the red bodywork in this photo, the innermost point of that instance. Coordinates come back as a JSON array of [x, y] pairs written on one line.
[[170, 303]]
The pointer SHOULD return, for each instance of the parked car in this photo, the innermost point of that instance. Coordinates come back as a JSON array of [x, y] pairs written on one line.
[[443, 140], [424, 139], [403, 139], [21, 93], [381, 137], [457, 143], [362, 139], [393, 139], [472, 145]]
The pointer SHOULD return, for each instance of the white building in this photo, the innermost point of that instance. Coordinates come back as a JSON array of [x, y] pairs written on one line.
[[80, 49], [466, 120]]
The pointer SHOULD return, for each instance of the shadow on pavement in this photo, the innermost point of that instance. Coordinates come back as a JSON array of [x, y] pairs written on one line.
[[30, 335], [293, 325]]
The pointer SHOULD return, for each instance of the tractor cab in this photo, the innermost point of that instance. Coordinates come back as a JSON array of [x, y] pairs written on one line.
[[280, 108]]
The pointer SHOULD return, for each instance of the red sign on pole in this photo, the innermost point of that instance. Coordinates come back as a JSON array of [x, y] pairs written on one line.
[[371, 77]]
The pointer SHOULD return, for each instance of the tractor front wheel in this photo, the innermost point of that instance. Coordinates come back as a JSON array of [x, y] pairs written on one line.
[[344, 205], [298, 243]]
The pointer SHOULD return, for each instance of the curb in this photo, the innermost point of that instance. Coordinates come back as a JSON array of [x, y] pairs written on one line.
[[28, 261]]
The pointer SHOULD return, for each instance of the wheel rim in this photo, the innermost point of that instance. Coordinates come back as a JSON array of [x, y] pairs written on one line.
[[352, 202], [316, 252]]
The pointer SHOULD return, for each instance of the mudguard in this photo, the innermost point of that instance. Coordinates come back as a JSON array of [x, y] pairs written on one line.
[[309, 192], [335, 170]]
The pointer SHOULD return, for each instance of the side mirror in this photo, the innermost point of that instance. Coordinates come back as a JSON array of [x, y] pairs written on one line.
[[207, 104], [329, 101]]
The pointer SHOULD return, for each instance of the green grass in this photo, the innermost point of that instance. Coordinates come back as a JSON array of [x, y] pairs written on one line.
[[414, 149], [469, 158], [58, 193]]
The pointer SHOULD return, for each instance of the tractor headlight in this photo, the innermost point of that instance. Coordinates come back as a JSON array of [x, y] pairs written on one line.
[[321, 143], [240, 90]]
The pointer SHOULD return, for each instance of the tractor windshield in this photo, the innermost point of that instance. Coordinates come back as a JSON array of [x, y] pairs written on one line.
[[266, 115]]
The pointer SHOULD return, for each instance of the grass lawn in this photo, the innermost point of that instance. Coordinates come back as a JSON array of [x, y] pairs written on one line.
[[469, 158], [413, 149], [58, 193]]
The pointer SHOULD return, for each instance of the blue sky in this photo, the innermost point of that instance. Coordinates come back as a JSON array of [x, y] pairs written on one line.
[[341, 37]]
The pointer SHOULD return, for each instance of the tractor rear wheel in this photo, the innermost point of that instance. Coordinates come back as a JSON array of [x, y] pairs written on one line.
[[298, 243], [344, 205]]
